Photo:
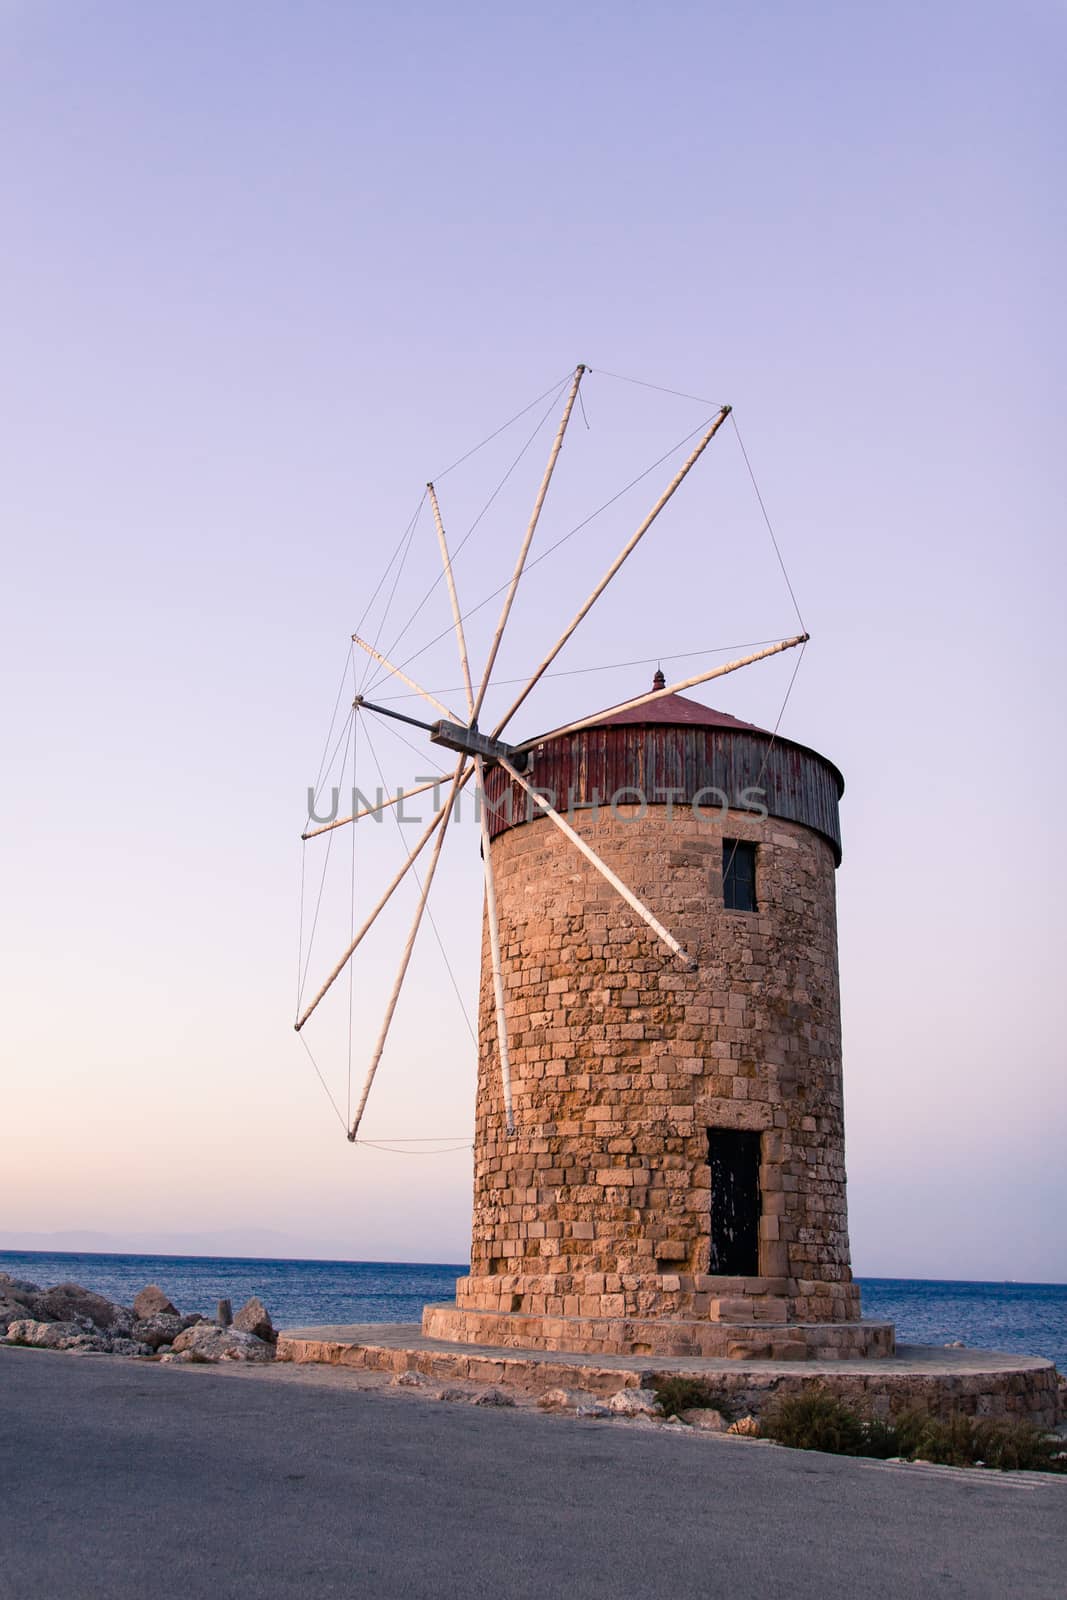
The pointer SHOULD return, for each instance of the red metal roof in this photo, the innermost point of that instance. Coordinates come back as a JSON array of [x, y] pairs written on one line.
[[678, 711], [671, 710]]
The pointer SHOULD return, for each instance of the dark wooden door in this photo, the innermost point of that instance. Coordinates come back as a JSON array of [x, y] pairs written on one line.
[[734, 1156]]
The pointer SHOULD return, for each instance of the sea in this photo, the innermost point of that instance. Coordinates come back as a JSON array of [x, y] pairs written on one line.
[[1029, 1318]]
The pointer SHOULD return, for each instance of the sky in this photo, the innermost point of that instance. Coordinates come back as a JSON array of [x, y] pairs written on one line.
[[267, 269]]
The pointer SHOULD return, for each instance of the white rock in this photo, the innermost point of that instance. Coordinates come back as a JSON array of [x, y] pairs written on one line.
[[55, 1336], [556, 1400], [205, 1342], [635, 1403], [705, 1418]]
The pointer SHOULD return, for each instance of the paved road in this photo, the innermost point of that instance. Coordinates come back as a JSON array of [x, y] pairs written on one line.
[[120, 1479]]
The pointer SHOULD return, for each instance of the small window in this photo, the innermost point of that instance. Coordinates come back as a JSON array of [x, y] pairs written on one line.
[[738, 875]]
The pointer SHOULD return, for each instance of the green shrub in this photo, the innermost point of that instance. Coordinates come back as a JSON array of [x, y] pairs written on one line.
[[676, 1395], [1017, 1446], [814, 1420], [880, 1438], [949, 1441]]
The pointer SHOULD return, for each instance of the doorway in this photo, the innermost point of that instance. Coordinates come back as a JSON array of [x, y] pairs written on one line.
[[734, 1158]]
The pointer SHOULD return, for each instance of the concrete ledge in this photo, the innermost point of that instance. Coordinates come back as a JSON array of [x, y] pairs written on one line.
[[977, 1382], [750, 1340]]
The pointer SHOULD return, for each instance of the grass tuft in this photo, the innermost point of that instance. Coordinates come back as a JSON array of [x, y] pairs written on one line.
[[817, 1420], [676, 1395]]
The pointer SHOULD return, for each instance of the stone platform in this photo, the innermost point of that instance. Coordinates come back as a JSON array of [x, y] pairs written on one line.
[[943, 1381], [754, 1339]]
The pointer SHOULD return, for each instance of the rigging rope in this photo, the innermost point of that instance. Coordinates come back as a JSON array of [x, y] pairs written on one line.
[[423, 755], [536, 561], [770, 745], [412, 525], [351, 930], [329, 734], [388, 566], [373, 1144], [350, 722], [470, 531], [608, 666], [322, 1080], [429, 913], [504, 426], [699, 399], [767, 520]]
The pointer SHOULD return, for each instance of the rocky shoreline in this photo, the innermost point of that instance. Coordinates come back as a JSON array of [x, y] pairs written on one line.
[[71, 1317]]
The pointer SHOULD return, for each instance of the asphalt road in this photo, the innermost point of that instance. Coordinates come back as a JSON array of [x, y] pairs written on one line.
[[121, 1479]]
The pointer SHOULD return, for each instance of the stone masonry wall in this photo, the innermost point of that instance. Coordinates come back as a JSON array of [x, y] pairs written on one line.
[[622, 1060]]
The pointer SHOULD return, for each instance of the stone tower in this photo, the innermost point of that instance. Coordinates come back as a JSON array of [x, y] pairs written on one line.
[[676, 1183]]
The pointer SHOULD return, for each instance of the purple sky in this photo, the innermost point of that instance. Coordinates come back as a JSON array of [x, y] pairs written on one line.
[[266, 269]]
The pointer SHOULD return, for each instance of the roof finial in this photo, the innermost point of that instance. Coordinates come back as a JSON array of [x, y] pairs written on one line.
[[659, 681]]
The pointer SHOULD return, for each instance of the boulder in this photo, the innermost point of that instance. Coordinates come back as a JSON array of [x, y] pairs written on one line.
[[12, 1311], [705, 1418], [70, 1300], [408, 1380], [453, 1394], [254, 1317], [131, 1347], [555, 1400], [162, 1328], [192, 1318], [205, 1342], [18, 1288], [54, 1336], [152, 1302], [635, 1403], [494, 1397]]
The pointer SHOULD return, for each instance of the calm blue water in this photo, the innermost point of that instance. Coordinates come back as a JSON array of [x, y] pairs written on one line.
[[1027, 1317], [296, 1293]]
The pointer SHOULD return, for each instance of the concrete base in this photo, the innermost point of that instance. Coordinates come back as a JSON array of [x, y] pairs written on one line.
[[666, 1336], [943, 1381]]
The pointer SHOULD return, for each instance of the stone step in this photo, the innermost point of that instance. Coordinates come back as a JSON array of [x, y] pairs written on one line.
[[749, 1308]]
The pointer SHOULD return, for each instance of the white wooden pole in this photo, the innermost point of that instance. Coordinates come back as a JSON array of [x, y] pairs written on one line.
[[494, 951], [674, 688], [457, 784], [398, 672], [370, 811], [457, 616], [525, 547], [626, 551], [408, 864], [601, 866]]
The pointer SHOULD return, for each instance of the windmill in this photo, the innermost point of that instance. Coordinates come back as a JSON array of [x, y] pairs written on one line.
[[659, 1161]]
